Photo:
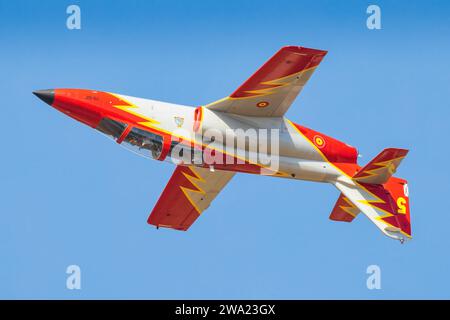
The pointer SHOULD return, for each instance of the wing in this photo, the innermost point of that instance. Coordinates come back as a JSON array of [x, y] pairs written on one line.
[[273, 88], [188, 193]]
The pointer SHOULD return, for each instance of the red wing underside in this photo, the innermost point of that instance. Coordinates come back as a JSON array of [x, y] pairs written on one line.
[[188, 193]]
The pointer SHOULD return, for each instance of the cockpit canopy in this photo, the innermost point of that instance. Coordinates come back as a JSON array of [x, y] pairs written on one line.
[[142, 142]]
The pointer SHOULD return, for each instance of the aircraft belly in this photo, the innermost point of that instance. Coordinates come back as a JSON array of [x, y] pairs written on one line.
[[319, 171]]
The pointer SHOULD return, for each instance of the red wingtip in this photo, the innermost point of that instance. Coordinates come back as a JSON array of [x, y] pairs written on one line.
[[304, 50], [287, 61]]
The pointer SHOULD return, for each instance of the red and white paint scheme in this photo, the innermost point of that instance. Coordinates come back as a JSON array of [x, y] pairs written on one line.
[[166, 131]]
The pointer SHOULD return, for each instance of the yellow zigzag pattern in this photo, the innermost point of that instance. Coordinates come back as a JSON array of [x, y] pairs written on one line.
[[149, 123], [276, 84], [373, 203], [350, 208], [131, 108], [389, 164], [194, 179]]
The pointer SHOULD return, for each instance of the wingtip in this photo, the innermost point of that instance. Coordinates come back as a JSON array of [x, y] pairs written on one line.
[[305, 50]]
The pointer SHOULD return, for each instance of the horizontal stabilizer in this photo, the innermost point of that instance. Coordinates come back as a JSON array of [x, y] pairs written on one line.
[[382, 167], [344, 210]]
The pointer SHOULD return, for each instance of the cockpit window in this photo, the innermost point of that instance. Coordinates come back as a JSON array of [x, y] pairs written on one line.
[[145, 143], [111, 128]]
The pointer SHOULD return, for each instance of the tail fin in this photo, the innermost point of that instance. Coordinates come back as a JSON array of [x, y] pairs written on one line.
[[382, 198], [399, 198]]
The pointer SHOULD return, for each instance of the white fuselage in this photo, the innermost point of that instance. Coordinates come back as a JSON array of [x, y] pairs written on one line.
[[295, 157]]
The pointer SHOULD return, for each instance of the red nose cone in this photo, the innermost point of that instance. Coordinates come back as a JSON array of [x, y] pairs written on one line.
[[82, 105]]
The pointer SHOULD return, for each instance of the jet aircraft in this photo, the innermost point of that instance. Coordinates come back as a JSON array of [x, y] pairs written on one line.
[[245, 132]]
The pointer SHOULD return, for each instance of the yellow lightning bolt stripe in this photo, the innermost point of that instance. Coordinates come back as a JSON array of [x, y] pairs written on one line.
[[350, 208], [194, 179], [130, 108], [387, 214], [373, 203], [277, 83], [294, 74], [151, 123], [367, 202], [389, 164]]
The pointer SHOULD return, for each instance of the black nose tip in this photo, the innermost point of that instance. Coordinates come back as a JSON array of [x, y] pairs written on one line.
[[48, 96]]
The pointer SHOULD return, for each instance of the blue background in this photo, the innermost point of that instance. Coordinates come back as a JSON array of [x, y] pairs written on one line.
[[70, 196]]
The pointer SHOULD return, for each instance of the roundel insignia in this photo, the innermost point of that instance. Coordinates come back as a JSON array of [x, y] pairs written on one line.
[[319, 141], [262, 104]]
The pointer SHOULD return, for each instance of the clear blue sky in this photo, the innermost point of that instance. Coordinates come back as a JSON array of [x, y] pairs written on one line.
[[70, 196]]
